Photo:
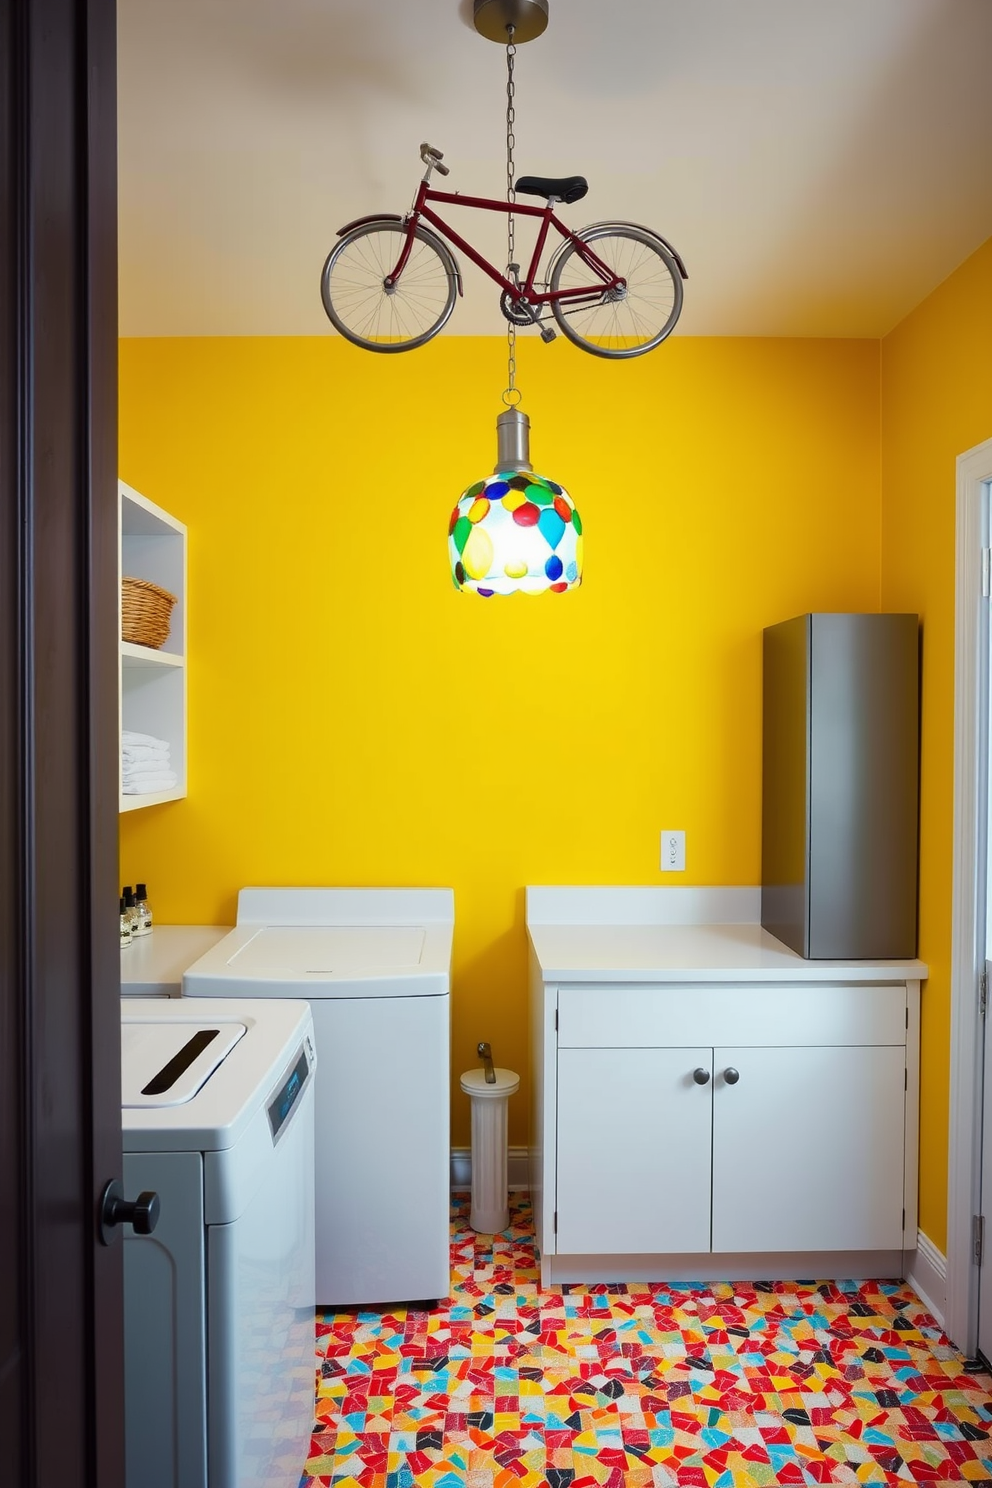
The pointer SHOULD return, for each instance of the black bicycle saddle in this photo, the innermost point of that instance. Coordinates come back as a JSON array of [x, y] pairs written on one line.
[[566, 188]]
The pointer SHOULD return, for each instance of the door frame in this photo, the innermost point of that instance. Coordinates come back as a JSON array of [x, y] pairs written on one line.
[[61, 1289], [971, 765]]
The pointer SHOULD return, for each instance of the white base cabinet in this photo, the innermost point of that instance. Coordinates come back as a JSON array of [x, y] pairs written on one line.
[[731, 1129]]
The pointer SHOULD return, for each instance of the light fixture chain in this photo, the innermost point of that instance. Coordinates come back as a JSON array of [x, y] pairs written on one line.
[[511, 194], [511, 396]]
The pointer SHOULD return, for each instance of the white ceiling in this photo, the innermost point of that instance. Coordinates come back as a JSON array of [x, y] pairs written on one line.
[[820, 164]]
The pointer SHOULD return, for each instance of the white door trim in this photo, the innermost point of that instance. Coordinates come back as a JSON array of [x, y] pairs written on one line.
[[974, 469]]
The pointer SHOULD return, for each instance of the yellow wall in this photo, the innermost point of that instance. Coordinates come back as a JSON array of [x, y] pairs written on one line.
[[354, 720], [936, 403]]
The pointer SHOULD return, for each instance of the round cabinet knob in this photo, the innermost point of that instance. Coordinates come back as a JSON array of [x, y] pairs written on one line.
[[141, 1213], [701, 1076], [731, 1075]]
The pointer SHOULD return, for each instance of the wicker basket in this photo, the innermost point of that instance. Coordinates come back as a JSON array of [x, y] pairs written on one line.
[[145, 612]]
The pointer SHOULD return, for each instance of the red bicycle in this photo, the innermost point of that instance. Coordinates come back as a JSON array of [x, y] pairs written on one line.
[[614, 288]]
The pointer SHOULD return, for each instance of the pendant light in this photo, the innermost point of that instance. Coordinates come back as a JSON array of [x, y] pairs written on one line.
[[514, 531]]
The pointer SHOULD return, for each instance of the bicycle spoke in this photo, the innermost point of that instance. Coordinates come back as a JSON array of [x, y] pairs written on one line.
[[358, 305], [627, 321], [396, 315], [358, 302], [372, 319]]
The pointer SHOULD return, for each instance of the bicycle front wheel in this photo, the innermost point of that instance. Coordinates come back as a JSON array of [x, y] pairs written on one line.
[[625, 322], [398, 317]]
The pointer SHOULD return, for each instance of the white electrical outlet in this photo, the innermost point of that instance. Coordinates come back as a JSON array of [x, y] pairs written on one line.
[[672, 851]]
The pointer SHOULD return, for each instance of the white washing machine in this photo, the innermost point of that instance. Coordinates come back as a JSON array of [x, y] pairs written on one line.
[[218, 1118], [375, 966]]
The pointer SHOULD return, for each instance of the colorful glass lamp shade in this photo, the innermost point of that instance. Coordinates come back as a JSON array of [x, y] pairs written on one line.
[[516, 531]]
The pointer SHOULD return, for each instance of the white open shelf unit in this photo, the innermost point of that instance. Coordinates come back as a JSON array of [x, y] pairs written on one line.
[[152, 545]]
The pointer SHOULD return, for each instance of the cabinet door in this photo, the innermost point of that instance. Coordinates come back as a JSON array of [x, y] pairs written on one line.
[[808, 1149], [634, 1139]]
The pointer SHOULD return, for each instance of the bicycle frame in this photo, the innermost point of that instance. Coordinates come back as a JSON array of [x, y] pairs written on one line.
[[525, 291]]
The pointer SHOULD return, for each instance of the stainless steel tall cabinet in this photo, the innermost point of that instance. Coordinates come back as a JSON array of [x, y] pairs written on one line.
[[840, 785]]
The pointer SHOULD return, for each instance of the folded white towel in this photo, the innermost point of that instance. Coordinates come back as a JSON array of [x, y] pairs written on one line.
[[128, 738], [140, 753], [146, 773], [147, 785], [145, 756]]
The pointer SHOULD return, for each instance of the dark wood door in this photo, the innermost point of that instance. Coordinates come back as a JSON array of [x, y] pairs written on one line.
[[61, 1336]]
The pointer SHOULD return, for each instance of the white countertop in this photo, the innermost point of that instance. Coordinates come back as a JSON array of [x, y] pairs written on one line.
[[693, 953], [591, 940], [153, 965]]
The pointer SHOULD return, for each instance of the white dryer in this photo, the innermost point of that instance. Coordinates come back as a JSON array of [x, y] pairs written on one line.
[[218, 1118], [375, 966]]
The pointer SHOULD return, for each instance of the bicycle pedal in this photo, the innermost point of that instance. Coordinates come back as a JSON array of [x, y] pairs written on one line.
[[547, 334]]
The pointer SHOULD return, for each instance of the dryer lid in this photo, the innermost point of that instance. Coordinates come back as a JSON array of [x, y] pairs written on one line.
[[166, 1064], [326, 950], [331, 943]]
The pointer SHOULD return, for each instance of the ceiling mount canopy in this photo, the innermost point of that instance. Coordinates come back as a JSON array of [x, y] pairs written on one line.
[[527, 17]]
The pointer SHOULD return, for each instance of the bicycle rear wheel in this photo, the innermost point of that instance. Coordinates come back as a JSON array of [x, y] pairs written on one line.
[[622, 323], [397, 318]]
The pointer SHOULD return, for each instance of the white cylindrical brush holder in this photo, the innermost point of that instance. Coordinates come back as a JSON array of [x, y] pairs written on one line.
[[490, 1212]]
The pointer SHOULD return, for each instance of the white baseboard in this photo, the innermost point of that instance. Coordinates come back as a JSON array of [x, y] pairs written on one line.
[[925, 1267], [517, 1169], [926, 1272], [591, 1270]]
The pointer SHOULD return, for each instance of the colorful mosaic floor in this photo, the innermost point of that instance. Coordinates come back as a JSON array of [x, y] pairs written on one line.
[[718, 1386]]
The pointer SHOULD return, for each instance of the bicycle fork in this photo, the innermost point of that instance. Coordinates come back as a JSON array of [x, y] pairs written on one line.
[[409, 223], [432, 160]]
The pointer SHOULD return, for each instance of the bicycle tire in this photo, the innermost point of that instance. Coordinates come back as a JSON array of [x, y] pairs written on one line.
[[355, 297], [647, 312]]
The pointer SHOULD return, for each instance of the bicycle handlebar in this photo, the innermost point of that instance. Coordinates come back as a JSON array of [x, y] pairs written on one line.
[[433, 157]]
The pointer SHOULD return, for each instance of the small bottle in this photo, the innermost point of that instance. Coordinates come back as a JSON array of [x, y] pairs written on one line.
[[130, 910], [143, 910], [125, 926]]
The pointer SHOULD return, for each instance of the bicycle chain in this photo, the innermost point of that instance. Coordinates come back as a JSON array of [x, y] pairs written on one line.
[[511, 395]]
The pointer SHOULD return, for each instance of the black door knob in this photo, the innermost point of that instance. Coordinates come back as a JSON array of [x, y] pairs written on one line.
[[731, 1075], [701, 1076], [141, 1213]]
